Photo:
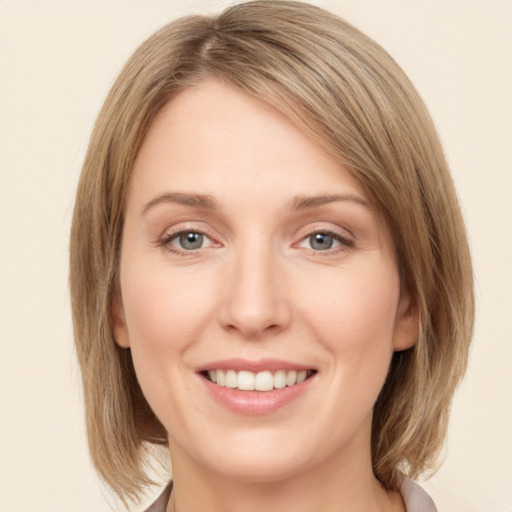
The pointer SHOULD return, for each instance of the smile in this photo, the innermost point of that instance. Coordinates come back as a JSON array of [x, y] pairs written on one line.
[[256, 387], [261, 381]]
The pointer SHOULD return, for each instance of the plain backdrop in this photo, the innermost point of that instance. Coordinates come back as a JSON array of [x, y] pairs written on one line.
[[57, 60]]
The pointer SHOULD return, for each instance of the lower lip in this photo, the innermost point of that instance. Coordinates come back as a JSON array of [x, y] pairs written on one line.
[[254, 403]]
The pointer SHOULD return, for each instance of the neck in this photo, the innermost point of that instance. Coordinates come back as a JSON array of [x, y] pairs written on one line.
[[331, 487]]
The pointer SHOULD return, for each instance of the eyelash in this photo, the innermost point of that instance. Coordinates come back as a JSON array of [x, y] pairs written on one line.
[[344, 242], [166, 240]]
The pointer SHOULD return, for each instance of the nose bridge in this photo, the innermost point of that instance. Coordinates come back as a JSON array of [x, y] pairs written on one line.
[[255, 302]]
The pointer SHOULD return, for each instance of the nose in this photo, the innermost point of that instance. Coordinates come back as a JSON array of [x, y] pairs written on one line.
[[255, 299]]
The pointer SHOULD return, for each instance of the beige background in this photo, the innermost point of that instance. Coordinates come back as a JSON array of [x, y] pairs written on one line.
[[57, 59]]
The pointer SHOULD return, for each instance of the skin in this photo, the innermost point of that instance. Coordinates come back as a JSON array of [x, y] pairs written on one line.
[[257, 288]]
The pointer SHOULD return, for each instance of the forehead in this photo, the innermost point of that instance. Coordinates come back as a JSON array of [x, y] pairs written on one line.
[[212, 139]]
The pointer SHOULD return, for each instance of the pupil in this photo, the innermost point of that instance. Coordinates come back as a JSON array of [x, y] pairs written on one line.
[[321, 241], [191, 241]]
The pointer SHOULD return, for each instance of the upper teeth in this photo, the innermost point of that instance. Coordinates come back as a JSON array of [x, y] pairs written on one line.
[[262, 381]]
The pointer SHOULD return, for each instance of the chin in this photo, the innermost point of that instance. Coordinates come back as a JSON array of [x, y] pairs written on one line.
[[262, 456], [260, 469]]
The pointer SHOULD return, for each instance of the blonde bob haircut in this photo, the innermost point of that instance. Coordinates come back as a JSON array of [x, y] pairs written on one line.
[[350, 97]]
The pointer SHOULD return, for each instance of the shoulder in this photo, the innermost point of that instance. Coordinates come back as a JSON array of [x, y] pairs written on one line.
[[416, 499]]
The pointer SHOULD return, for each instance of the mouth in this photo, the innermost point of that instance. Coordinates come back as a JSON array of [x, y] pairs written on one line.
[[266, 380], [256, 387]]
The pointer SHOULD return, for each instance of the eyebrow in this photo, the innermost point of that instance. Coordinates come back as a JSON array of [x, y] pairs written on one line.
[[207, 202], [194, 200], [306, 202]]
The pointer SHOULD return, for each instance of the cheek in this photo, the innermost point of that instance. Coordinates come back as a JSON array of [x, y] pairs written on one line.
[[165, 310], [355, 323], [165, 315], [355, 301]]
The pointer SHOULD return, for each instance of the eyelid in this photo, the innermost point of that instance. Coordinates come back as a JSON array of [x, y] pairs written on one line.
[[346, 241], [344, 238], [176, 236], [171, 233]]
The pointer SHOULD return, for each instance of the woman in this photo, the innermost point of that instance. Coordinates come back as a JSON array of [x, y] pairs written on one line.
[[269, 269]]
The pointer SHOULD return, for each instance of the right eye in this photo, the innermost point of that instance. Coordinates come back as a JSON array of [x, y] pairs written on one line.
[[187, 241]]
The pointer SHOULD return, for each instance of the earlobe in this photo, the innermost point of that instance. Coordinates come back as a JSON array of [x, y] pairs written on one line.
[[118, 323], [407, 323]]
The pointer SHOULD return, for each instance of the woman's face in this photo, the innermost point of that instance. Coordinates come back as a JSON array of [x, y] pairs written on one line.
[[251, 258]]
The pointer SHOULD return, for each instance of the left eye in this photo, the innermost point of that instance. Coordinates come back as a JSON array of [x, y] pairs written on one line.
[[189, 240], [321, 241]]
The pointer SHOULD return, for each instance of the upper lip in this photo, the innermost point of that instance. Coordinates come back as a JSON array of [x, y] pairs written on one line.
[[252, 366]]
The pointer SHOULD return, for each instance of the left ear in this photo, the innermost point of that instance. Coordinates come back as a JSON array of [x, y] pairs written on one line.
[[407, 323], [119, 323]]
